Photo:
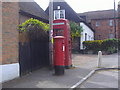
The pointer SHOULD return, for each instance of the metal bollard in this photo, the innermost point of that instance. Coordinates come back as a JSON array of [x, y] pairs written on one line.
[[99, 59]]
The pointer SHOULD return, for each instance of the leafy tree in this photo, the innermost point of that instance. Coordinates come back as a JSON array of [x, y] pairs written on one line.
[[75, 29]]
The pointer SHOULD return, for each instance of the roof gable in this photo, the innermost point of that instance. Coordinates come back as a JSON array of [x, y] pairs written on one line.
[[34, 9], [70, 14]]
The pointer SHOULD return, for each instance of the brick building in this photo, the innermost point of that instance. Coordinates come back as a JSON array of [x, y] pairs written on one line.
[[13, 14], [119, 19], [102, 22]]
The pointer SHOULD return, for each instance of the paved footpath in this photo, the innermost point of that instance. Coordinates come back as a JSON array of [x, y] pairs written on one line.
[[45, 78], [102, 79], [90, 61]]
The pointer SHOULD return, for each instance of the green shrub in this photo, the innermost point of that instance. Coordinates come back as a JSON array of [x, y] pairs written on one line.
[[107, 45], [111, 50], [75, 29], [93, 45], [110, 45]]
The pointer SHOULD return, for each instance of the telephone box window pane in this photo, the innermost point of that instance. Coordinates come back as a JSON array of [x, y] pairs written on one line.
[[58, 32]]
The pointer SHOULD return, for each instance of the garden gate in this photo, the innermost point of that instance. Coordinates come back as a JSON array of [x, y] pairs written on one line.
[[33, 54]]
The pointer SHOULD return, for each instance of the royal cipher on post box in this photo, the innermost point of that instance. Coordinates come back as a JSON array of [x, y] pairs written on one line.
[[61, 27]]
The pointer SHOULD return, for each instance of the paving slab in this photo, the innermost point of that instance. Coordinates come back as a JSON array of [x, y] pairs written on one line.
[[90, 61], [44, 78], [102, 79], [84, 64]]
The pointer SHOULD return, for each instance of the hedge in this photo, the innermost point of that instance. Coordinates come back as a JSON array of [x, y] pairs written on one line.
[[108, 45]]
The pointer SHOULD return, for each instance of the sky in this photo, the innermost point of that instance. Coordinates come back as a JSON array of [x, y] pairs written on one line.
[[80, 6]]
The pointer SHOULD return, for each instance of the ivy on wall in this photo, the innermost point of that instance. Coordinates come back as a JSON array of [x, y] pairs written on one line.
[[33, 29], [31, 23]]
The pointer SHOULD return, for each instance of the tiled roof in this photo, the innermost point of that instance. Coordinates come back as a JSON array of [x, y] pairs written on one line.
[[103, 14], [34, 9]]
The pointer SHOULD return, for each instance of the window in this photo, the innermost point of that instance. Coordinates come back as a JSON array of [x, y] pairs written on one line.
[[111, 35], [58, 7], [110, 30], [97, 23], [99, 37], [110, 22], [85, 36], [59, 14], [89, 37], [56, 14], [92, 38]]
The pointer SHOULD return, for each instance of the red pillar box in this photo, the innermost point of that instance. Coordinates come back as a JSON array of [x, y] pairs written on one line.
[[59, 50]]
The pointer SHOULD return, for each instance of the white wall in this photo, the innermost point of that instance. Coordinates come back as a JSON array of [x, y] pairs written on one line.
[[90, 34], [9, 72]]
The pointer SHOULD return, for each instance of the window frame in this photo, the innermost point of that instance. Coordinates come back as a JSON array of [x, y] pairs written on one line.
[[111, 35], [97, 23], [110, 23], [59, 14]]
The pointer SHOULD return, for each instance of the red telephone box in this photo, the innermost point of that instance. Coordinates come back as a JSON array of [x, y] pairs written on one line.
[[59, 50], [61, 28]]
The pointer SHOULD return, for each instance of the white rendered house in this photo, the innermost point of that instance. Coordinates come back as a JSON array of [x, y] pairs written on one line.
[[86, 35]]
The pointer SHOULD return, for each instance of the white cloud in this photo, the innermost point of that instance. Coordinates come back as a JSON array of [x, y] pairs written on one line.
[[84, 5], [43, 3]]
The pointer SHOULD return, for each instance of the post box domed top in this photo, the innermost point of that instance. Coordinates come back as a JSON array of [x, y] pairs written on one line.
[[56, 37]]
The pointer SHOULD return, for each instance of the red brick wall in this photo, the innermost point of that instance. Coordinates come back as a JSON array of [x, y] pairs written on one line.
[[76, 43], [102, 32], [117, 28], [10, 17], [119, 21]]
